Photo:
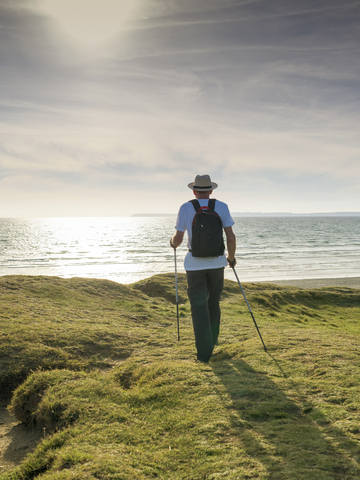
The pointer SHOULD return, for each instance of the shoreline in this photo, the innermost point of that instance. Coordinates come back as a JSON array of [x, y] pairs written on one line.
[[306, 283], [350, 282]]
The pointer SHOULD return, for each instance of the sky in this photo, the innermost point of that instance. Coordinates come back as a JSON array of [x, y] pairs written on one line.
[[111, 107]]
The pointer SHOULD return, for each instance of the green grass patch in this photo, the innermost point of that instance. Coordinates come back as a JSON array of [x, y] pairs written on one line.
[[97, 365]]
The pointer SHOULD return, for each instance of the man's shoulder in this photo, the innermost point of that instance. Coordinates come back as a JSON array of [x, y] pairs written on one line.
[[187, 205], [186, 209], [223, 210], [220, 202], [221, 205]]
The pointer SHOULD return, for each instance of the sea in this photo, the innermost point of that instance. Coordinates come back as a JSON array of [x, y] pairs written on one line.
[[128, 249]]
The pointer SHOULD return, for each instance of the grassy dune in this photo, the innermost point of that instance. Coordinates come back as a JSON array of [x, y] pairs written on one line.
[[97, 365]]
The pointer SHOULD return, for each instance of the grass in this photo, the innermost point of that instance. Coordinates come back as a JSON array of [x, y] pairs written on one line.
[[98, 366]]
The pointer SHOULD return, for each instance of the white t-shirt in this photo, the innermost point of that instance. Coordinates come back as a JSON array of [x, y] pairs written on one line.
[[184, 223]]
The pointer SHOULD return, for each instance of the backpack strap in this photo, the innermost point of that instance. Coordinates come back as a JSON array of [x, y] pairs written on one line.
[[196, 204], [211, 204]]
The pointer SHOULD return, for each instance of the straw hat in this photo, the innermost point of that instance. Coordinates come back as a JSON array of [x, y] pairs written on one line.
[[202, 183]]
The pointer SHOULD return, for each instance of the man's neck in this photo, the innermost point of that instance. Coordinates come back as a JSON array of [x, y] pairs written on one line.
[[202, 195]]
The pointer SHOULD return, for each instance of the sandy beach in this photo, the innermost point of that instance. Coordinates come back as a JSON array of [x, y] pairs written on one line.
[[350, 282]]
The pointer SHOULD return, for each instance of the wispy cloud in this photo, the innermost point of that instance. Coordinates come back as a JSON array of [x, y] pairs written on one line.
[[261, 95]]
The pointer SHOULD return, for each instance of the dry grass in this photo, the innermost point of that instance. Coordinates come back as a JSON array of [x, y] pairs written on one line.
[[120, 398]]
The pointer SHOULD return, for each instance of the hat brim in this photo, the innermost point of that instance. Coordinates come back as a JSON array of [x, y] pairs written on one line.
[[203, 189]]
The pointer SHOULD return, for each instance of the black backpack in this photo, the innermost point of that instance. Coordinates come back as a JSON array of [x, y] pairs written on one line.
[[207, 234]]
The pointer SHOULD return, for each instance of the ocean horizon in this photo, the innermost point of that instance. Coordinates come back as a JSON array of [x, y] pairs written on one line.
[[263, 214], [128, 249]]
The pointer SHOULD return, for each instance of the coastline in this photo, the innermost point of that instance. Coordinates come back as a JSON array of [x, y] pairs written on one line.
[[350, 282], [306, 283]]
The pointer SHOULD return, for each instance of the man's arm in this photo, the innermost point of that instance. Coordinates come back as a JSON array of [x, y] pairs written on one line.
[[177, 239], [231, 244]]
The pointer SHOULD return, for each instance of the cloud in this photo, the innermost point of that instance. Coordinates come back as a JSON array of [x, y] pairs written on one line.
[[261, 95]]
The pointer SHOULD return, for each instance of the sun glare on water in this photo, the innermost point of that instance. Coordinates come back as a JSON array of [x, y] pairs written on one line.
[[122, 248]]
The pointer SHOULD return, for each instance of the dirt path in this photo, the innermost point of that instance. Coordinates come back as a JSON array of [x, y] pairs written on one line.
[[16, 440]]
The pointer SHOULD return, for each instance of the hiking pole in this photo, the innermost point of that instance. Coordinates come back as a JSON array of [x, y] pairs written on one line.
[[247, 303], [177, 298]]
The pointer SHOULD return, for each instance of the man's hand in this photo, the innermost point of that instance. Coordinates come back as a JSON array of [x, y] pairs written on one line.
[[176, 240], [231, 263]]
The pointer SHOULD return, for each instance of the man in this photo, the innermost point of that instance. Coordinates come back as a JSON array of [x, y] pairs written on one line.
[[205, 276]]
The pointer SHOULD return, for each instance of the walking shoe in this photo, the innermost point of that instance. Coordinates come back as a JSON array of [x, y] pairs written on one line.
[[201, 361]]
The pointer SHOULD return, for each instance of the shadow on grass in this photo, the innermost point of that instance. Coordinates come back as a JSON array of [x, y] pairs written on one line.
[[278, 433]]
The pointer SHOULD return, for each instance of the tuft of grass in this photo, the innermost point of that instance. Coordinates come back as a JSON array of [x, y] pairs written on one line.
[[48, 322], [129, 402]]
